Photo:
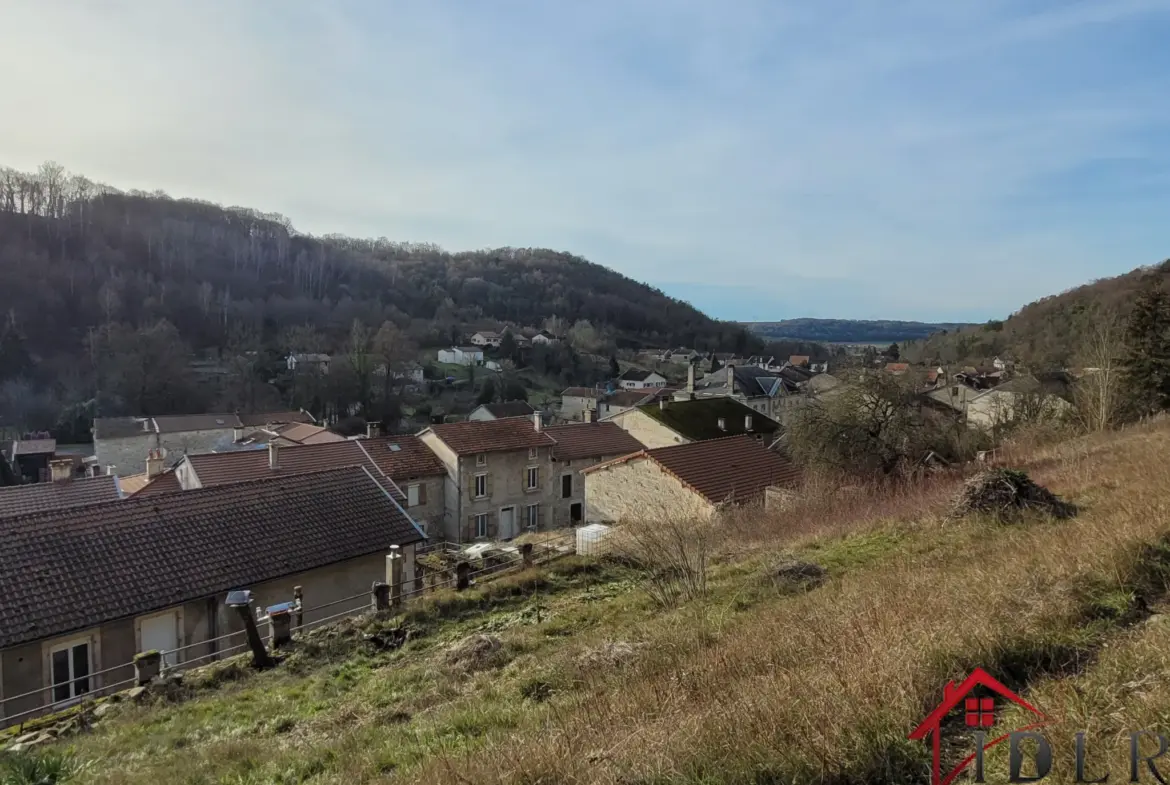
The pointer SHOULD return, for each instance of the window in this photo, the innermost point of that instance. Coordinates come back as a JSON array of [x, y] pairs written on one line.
[[722, 424], [481, 525], [412, 496], [533, 478], [566, 486], [980, 712], [533, 453], [481, 459], [70, 670], [532, 516], [480, 486]]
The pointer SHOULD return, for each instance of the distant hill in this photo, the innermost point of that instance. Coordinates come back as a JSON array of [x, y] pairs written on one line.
[[847, 330], [1047, 334]]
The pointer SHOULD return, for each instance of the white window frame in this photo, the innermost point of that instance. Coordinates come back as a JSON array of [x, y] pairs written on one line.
[[481, 459], [413, 487], [475, 488], [90, 642], [533, 453], [532, 516], [533, 471], [481, 524]]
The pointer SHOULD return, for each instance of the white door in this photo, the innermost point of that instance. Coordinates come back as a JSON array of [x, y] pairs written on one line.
[[161, 633], [507, 523]]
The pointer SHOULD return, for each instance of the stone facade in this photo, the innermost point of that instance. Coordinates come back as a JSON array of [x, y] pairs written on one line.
[[428, 511], [573, 407], [646, 429], [638, 489], [113, 643]]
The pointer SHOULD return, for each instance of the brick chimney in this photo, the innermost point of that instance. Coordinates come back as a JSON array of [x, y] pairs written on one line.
[[154, 463], [61, 469], [587, 415], [273, 456], [373, 430]]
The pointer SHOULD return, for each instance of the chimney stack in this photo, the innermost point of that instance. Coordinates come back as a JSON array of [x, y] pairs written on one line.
[[587, 415], [730, 379], [722, 422], [373, 430], [111, 469], [661, 404], [537, 421], [154, 463], [61, 469], [238, 434], [273, 456], [747, 422], [691, 379]]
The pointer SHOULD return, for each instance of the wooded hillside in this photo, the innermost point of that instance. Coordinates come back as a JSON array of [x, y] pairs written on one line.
[[847, 330], [1050, 333], [87, 270]]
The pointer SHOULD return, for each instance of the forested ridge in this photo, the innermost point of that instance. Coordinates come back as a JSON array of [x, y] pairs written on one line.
[[847, 330], [90, 272]]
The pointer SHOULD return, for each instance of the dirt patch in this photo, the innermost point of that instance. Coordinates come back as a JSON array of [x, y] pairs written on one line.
[[610, 654], [793, 574], [474, 653], [1007, 495]]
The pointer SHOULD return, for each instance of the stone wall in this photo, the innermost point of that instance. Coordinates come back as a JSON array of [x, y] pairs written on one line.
[[639, 490], [647, 430]]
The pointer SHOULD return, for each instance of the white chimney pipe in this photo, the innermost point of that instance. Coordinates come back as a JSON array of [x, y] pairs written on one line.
[[273, 456], [537, 421], [587, 415], [747, 422]]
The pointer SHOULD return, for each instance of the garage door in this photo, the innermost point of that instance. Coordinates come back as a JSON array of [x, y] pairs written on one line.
[[161, 633]]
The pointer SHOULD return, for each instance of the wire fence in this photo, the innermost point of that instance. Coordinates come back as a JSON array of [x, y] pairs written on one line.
[[84, 690]]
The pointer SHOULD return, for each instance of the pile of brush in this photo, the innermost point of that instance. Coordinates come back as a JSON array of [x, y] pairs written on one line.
[[1007, 495]]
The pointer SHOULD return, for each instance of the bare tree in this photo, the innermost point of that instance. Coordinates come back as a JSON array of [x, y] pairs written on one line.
[[1099, 395]]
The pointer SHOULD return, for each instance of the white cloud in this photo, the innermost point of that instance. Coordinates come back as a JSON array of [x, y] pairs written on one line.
[[894, 145]]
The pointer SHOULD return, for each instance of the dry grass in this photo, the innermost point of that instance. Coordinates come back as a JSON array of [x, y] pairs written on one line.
[[745, 684]]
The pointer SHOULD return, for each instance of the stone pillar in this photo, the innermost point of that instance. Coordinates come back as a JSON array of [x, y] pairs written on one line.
[[462, 575], [147, 665], [380, 593], [299, 604], [394, 576], [279, 628]]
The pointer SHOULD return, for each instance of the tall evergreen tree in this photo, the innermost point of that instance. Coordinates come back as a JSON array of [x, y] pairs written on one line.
[[1147, 350]]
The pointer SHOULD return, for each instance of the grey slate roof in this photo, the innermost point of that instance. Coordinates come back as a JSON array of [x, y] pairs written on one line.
[[71, 569], [36, 497]]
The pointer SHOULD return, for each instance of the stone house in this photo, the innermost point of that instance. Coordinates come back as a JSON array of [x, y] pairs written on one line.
[[124, 442], [575, 401], [315, 362], [486, 338], [623, 400], [498, 480], [760, 389], [544, 337], [686, 481], [500, 410], [578, 446], [639, 379], [30, 456], [461, 355], [679, 422], [157, 571]]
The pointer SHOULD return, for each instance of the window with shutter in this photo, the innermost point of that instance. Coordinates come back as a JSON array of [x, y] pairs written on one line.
[[422, 493], [412, 495], [532, 516], [482, 524]]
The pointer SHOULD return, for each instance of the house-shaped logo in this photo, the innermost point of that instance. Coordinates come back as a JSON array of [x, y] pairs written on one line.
[[978, 714]]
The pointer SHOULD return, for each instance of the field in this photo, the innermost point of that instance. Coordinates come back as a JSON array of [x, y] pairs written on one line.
[[575, 674]]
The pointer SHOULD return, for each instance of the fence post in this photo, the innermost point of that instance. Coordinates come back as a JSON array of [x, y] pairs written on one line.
[[147, 665], [299, 599], [394, 576], [462, 575], [381, 596], [526, 554]]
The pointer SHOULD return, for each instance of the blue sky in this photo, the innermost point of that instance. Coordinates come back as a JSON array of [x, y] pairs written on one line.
[[763, 159]]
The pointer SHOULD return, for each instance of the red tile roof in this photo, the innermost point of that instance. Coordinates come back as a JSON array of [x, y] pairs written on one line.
[[411, 459], [219, 468], [736, 468], [71, 569], [24, 499], [591, 440], [897, 367], [476, 436]]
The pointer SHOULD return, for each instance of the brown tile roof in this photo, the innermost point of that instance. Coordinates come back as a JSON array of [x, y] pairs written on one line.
[[166, 482], [23, 499], [271, 418], [307, 433], [476, 436], [70, 569], [737, 467], [133, 483], [220, 468], [176, 423], [798, 359], [591, 440], [411, 459], [579, 392], [510, 409]]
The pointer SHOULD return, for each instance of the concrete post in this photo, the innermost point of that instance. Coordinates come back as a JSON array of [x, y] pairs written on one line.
[[526, 554], [462, 575], [380, 592], [147, 665], [279, 628], [394, 575], [299, 600]]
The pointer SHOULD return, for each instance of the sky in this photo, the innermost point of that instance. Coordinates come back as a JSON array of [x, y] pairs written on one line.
[[763, 159]]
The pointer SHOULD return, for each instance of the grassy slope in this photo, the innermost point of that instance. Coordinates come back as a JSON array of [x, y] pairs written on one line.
[[754, 685]]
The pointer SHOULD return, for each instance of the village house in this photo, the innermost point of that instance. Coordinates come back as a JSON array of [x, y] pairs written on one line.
[[29, 457], [62, 490], [416, 472], [897, 369], [152, 574], [124, 442], [544, 337], [578, 446], [308, 362], [575, 401], [799, 360], [667, 423], [640, 379], [759, 389], [486, 338], [500, 410], [498, 476], [461, 355], [996, 406], [623, 400], [687, 481]]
